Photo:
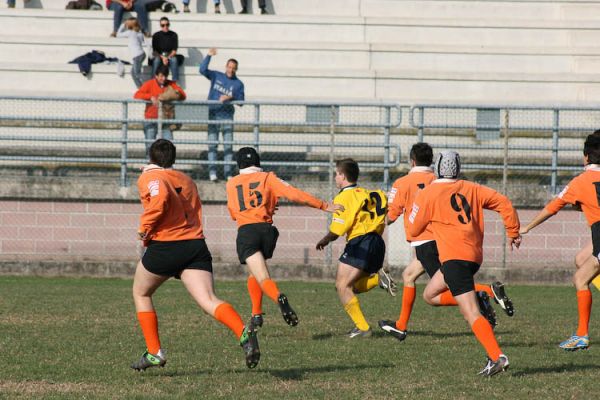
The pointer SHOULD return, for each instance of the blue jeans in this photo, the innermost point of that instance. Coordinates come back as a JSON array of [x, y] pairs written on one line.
[[136, 70], [187, 2], [173, 67], [213, 135], [140, 9], [150, 132]]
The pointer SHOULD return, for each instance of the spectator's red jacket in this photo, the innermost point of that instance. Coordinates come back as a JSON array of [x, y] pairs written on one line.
[[151, 89]]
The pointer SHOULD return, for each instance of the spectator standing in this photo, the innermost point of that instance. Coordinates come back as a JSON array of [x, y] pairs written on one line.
[[164, 45], [131, 29], [120, 6], [261, 4], [151, 91], [225, 88]]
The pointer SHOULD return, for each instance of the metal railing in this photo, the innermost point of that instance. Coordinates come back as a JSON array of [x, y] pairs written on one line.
[[518, 135], [319, 128]]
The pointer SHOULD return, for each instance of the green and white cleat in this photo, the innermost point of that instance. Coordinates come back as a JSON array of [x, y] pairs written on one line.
[[149, 360], [249, 343]]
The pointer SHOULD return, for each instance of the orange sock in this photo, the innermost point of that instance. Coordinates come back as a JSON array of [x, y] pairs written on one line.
[[484, 333], [484, 288], [255, 295], [584, 307], [226, 314], [446, 299], [149, 324], [408, 300], [270, 289]]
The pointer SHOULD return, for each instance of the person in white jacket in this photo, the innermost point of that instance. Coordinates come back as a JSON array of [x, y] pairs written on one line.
[[132, 30]]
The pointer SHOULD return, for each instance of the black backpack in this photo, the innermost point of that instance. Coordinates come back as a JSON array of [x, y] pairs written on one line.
[[83, 5]]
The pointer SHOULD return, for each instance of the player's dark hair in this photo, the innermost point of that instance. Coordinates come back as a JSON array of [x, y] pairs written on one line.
[[596, 132], [422, 154], [591, 149], [163, 153], [233, 60], [247, 157], [349, 168], [162, 69]]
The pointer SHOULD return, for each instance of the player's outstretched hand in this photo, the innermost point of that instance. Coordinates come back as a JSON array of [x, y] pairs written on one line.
[[212, 51], [333, 208], [516, 242], [322, 244], [524, 231]]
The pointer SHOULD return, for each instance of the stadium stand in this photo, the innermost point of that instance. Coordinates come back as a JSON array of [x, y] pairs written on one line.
[[428, 51]]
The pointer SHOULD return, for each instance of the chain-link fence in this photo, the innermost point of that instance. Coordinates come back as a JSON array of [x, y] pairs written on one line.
[[527, 153], [87, 150]]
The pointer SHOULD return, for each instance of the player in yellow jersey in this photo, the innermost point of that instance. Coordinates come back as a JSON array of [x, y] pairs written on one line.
[[363, 222]]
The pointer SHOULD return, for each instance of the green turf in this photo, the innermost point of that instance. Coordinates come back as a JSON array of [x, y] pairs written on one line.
[[75, 338]]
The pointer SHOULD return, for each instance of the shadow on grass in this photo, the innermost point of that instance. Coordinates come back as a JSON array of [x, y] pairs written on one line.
[[297, 374], [555, 369], [380, 334]]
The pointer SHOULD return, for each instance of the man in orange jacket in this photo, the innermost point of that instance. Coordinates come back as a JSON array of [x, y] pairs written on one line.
[[151, 91], [171, 228]]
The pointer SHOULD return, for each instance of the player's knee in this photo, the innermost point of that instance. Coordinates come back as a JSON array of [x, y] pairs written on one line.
[[428, 298]]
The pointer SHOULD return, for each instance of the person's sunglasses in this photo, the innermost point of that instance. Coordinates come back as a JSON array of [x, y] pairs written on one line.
[[163, 25]]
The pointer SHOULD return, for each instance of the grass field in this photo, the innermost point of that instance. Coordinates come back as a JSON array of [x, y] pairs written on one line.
[[75, 338]]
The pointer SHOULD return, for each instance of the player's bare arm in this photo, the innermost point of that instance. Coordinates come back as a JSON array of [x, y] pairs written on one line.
[[540, 218], [330, 237]]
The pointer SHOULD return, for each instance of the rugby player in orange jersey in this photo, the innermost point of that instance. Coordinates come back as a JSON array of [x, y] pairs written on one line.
[[251, 200], [454, 208], [171, 228], [584, 192], [401, 198]]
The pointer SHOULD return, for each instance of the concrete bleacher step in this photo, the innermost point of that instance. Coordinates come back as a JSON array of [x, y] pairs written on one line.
[[309, 55], [204, 28], [542, 9]]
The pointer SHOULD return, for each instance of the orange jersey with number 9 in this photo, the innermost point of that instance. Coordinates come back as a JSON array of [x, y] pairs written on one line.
[[364, 212], [584, 190], [252, 197], [455, 211]]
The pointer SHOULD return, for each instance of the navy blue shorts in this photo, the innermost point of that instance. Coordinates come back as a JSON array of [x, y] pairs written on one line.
[[365, 252]]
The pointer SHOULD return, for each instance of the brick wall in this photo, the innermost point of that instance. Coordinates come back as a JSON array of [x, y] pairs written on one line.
[[107, 231]]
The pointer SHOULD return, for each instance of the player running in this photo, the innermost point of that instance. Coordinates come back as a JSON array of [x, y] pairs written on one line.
[[454, 208], [401, 198], [363, 222], [251, 200], [171, 228], [583, 191]]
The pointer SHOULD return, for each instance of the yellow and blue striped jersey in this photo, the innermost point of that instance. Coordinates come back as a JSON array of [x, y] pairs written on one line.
[[364, 212]]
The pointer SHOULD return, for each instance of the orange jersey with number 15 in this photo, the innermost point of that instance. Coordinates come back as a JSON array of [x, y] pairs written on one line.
[[584, 190], [455, 210], [252, 197]]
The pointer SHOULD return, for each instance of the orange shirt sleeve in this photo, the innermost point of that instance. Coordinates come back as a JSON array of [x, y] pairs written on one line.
[[397, 200], [283, 189], [420, 215], [154, 200], [143, 92], [495, 201], [567, 196]]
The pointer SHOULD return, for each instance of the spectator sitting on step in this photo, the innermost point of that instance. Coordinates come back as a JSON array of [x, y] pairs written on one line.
[[12, 3], [152, 90], [131, 29], [120, 6], [164, 46], [261, 4]]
